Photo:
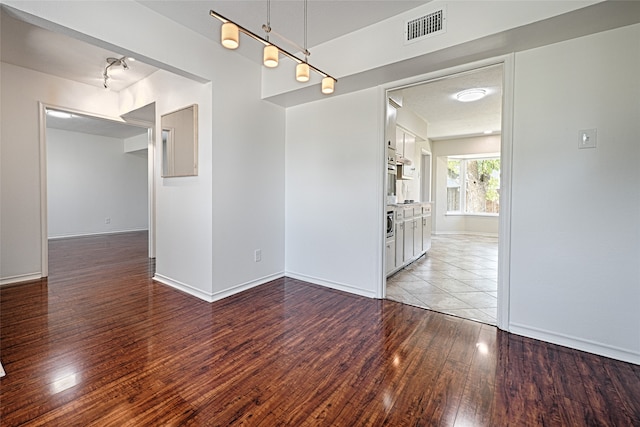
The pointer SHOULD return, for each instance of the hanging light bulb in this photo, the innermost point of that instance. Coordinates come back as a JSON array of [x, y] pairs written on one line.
[[229, 36], [270, 56], [302, 69], [327, 85], [302, 72]]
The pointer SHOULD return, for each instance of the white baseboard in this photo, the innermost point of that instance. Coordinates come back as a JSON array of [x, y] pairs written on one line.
[[588, 346], [69, 236], [183, 287], [20, 278], [211, 297], [245, 286], [330, 284], [463, 233]]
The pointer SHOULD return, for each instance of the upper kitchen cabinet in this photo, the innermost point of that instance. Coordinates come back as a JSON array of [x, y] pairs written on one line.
[[399, 144], [405, 150], [410, 148], [390, 129]]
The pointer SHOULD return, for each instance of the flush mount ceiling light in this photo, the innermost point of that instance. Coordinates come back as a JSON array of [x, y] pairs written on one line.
[[230, 38], [470, 95], [60, 114], [114, 62]]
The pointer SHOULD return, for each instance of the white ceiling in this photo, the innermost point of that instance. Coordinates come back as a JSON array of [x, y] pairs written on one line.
[[326, 19], [95, 126], [42, 50], [38, 49], [447, 117]]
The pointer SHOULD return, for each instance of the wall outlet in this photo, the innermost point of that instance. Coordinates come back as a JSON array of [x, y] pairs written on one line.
[[107, 220], [258, 255]]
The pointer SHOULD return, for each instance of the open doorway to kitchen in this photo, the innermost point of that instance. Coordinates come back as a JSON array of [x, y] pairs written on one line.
[[460, 120]]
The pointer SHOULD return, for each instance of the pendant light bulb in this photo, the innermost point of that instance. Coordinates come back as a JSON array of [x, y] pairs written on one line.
[[327, 85], [270, 56], [302, 72], [229, 35]]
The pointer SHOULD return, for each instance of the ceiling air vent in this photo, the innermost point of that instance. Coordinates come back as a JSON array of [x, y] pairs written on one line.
[[425, 26]]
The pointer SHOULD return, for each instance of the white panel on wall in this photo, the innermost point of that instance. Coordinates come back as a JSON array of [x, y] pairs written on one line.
[[93, 186], [575, 227]]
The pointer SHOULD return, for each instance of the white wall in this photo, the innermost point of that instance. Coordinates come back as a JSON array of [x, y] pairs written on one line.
[[209, 226], [334, 192], [248, 179], [459, 224], [21, 89], [575, 275], [90, 178], [183, 204]]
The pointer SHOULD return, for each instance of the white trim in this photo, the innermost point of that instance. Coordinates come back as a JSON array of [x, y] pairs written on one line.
[[504, 222], [211, 297], [569, 341], [44, 225], [183, 287], [381, 191], [476, 215], [331, 284], [102, 233], [20, 278], [151, 188], [464, 233]]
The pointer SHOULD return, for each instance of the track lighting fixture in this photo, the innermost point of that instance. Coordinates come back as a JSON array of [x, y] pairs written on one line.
[[230, 38], [114, 62]]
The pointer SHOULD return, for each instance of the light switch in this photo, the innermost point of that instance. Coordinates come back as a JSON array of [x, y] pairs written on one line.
[[587, 138]]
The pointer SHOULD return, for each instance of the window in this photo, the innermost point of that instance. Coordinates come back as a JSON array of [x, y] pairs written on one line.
[[473, 185]]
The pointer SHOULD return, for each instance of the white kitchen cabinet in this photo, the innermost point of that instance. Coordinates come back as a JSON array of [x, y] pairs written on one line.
[[410, 148], [409, 234], [390, 130], [390, 255], [399, 143], [417, 236], [412, 236], [426, 227], [399, 235]]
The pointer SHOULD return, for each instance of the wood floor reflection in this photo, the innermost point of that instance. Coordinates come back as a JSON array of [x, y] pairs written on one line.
[[100, 343]]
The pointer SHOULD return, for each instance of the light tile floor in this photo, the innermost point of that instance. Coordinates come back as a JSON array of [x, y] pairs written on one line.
[[458, 276]]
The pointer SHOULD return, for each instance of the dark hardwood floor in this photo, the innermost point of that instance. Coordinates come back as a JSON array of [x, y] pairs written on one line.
[[100, 343]]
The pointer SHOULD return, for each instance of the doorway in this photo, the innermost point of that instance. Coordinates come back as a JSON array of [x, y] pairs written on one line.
[[97, 176], [469, 253]]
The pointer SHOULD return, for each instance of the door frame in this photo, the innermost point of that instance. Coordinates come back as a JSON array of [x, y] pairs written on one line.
[[506, 148], [44, 216]]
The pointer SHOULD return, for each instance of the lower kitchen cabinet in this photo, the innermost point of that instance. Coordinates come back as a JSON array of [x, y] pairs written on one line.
[[426, 232], [417, 237], [412, 236], [399, 244], [390, 255], [409, 235]]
